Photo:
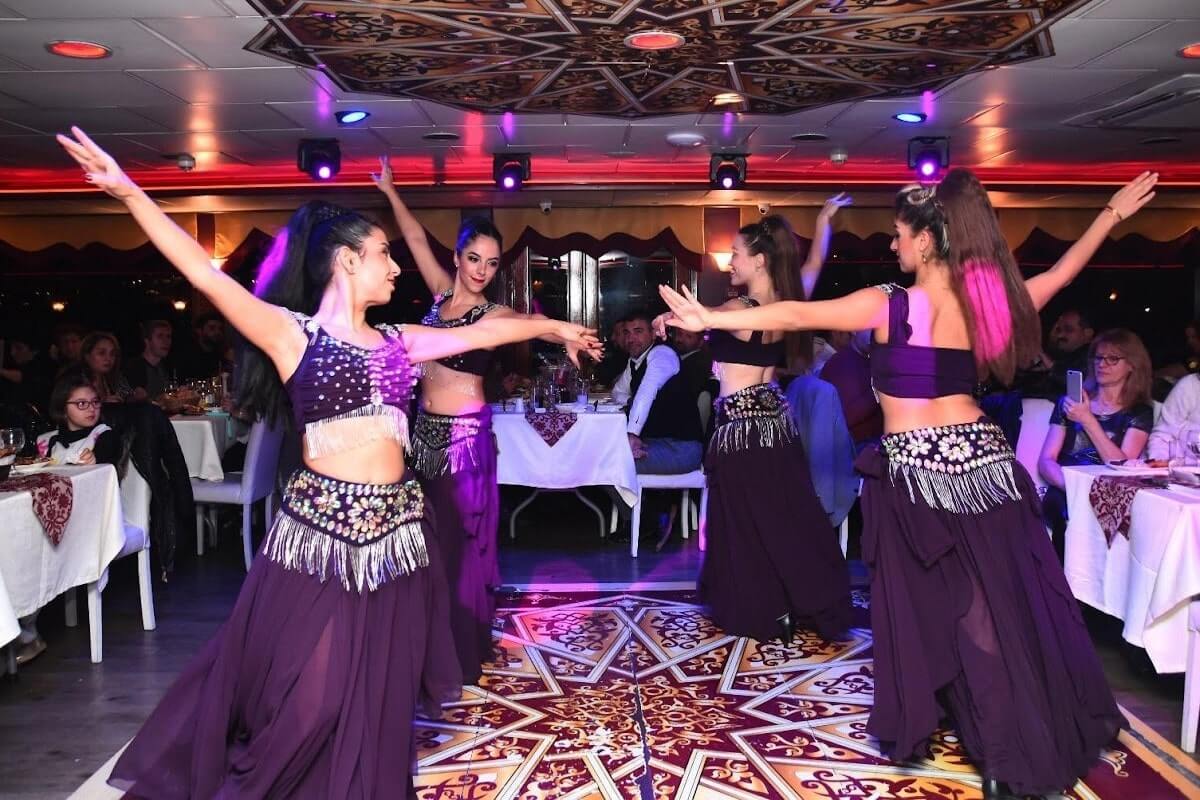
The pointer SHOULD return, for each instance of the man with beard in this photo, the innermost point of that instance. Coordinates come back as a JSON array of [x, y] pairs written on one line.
[[1066, 349], [205, 356]]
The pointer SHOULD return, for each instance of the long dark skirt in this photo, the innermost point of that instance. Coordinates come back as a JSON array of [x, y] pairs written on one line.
[[771, 550], [972, 616], [307, 691], [455, 458]]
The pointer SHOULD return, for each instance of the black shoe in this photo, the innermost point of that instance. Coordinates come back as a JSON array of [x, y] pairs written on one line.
[[785, 628], [997, 790]]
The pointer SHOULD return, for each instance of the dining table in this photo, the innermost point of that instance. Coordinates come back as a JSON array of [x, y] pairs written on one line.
[[204, 439]]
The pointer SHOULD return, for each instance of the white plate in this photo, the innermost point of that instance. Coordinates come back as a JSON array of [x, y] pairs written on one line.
[[26, 469]]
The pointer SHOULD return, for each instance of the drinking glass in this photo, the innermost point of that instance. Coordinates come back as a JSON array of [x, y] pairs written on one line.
[[12, 441]]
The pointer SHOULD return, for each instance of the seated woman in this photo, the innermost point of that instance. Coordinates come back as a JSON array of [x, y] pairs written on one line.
[[79, 439], [1112, 423], [102, 357]]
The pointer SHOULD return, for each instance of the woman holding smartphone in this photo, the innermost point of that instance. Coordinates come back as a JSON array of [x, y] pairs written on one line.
[[1110, 418]]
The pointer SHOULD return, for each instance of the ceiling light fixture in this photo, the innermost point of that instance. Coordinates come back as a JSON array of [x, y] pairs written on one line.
[[727, 171], [910, 117], [351, 117], [809, 137], [320, 158], [511, 170], [928, 155], [653, 40], [1190, 51], [728, 99], [685, 139], [75, 48], [440, 136]]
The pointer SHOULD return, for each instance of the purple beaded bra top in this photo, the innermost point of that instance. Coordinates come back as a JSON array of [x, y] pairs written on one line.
[[344, 396], [473, 362]]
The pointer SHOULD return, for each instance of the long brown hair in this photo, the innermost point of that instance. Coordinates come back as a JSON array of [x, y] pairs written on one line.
[[1137, 386], [1004, 327], [772, 237]]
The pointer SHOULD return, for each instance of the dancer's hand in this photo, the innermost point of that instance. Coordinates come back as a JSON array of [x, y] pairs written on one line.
[[1133, 195], [383, 180], [687, 312], [575, 350], [659, 325], [839, 200], [99, 168], [583, 338]]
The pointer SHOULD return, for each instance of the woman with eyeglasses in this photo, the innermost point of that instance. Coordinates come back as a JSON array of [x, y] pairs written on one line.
[[1113, 422], [970, 612], [772, 563]]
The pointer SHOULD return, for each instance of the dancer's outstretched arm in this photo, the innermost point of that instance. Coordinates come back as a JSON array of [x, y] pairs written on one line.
[[428, 344], [861, 310], [437, 280], [268, 327], [1123, 205], [810, 272]]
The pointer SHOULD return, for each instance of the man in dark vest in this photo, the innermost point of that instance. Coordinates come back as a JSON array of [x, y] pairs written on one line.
[[663, 421]]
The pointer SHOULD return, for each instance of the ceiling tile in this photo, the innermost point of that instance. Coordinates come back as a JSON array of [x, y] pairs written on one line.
[[93, 120], [1158, 50], [115, 9], [216, 42], [483, 138], [81, 89], [319, 116], [211, 142], [1145, 9], [1078, 41], [1037, 85], [133, 46], [250, 85], [229, 117]]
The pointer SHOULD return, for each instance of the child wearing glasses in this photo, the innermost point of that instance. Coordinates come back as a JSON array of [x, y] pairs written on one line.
[[81, 438]]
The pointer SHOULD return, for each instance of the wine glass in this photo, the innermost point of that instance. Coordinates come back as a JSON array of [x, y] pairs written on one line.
[[12, 440], [1189, 438]]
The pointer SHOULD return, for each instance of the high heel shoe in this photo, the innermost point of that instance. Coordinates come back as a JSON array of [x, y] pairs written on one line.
[[997, 790], [785, 628]]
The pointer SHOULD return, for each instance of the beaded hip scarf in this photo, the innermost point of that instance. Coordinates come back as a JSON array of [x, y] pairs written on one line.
[[760, 411], [963, 469], [445, 445], [365, 534]]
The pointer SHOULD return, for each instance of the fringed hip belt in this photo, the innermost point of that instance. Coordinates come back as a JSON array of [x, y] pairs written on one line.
[[757, 411], [365, 534], [443, 445], [963, 469]]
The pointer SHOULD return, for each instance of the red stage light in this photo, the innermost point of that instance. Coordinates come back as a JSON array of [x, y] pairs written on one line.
[[653, 40], [71, 48], [1191, 51]]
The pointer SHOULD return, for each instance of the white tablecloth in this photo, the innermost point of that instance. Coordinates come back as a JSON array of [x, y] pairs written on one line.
[[1148, 580], [595, 452], [203, 440], [32, 571]]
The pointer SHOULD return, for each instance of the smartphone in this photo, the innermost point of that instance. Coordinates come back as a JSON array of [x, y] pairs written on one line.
[[1075, 385]]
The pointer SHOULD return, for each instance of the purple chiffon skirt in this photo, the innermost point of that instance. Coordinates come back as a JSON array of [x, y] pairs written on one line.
[[309, 689], [972, 616], [455, 458], [771, 550]]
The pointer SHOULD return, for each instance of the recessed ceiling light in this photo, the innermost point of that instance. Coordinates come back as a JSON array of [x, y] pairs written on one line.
[[440, 136], [686, 139], [73, 48], [653, 40], [620, 154], [1191, 51], [809, 137], [1161, 140], [351, 116], [727, 99], [910, 117]]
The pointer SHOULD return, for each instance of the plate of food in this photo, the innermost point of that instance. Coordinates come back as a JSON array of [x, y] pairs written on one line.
[[27, 464], [1140, 465]]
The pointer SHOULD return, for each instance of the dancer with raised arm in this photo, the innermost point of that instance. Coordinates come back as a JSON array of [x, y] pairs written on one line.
[[310, 687], [772, 561], [969, 606], [453, 448]]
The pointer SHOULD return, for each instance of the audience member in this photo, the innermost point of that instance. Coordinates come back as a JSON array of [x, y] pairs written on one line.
[[1066, 349], [203, 356], [695, 362], [24, 372], [148, 374], [1112, 422], [615, 357], [1180, 411], [67, 346], [102, 359], [849, 370]]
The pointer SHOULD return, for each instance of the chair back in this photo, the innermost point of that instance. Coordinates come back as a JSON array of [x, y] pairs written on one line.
[[135, 499], [704, 403], [1035, 424], [816, 411], [262, 461]]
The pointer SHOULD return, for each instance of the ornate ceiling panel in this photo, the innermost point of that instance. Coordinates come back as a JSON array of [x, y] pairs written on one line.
[[570, 55]]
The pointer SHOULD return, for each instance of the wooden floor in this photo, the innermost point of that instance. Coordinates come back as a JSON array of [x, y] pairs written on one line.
[[63, 716]]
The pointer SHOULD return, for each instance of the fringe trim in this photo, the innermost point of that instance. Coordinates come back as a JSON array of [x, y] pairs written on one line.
[[433, 462], [971, 492], [348, 430], [737, 434], [300, 547]]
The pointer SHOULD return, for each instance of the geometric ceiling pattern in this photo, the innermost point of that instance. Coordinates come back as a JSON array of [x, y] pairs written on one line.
[[569, 56]]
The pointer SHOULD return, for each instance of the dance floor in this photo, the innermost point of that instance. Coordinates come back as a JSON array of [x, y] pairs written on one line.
[[624, 695]]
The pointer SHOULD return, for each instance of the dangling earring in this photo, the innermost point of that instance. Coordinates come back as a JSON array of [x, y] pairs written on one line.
[[925, 257]]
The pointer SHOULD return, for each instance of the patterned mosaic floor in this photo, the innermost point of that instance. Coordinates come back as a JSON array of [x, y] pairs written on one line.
[[641, 697]]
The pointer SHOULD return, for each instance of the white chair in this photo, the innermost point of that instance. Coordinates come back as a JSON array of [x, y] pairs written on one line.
[[844, 527], [1035, 423], [255, 482], [685, 481], [135, 505]]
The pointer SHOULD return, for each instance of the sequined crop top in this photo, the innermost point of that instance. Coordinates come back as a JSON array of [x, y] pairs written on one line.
[[901, 369], [728, 349], [344, 396], [474, 362]]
